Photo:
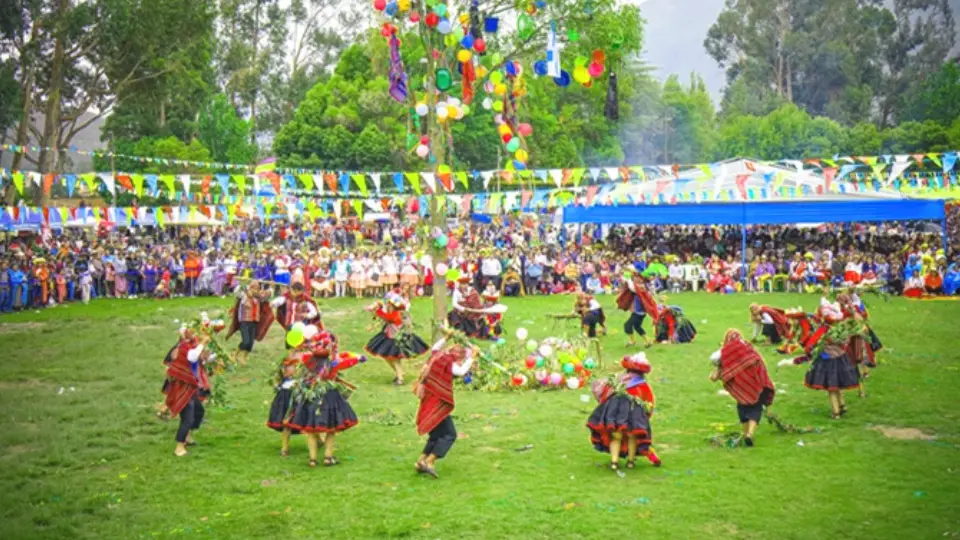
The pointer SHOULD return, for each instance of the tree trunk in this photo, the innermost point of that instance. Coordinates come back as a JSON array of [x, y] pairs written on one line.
[[163, 113], [255, 61], [51, 121]]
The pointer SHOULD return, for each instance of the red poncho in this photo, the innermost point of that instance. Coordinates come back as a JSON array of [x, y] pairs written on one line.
[[184, 384], [743, 372], [780, 320], [263, 325], [437, 401]]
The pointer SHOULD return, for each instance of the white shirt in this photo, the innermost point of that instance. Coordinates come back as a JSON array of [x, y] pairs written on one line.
[[594, 305], [490, 267], [765, 318], [676, 271]]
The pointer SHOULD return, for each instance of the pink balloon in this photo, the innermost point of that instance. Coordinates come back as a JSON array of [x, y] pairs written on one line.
[[556, 379], [595, 70], [525, 129], [452, 243]]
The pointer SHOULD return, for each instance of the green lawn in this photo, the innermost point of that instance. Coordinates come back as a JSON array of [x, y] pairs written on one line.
[[94, 461]]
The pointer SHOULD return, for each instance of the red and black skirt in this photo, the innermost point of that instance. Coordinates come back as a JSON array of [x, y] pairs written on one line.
[[280, 410], [406, 346], [832, 373], [619, 414], [470, 327], [331, 414]]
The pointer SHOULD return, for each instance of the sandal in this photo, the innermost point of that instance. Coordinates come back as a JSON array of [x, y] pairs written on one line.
[[284, 453], [431, 472], [313, 463], [614, 467], [330, 461], [631, 464]]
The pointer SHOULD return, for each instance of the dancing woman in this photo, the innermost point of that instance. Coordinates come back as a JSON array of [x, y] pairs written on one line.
[[771, 322], [672, 325], [591, 314], [623, 415], [831, 371], [187, 385], [395, 341], [744, 376]]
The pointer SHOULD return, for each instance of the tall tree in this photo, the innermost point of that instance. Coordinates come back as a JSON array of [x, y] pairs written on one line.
[[689, 122], [936, 96], [224, 133]]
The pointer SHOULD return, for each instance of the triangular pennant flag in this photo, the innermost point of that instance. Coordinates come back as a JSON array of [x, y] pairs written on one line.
[[224, 181], [317, 180], [557, 176], [525, 197], [431, 180], [357, 208], [591, 193], [64, 214], [330, 180], [462, 178], [487, 176], [742, 184], [576, 175], [125, 182], [34, 178], [707, 173], [241, 181], [71, 181], [918, 158], [345, 183], [900, 164], [376, 181], [877, 169], [169, 181], [829, 174], [398, 181], [936, 159], [185, 182], [109, 183], [307, 181], [361, 181], [845, 170], [47, 183], [446, 180], [594, 174], [414, 179], [466, 202], [612, 173], [137, 180], [949, 160]]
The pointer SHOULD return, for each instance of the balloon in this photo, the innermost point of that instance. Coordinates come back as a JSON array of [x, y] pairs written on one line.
[[556, 379], [531, 362], [444, 80], [598, 56], [481, 71], [442, 112], [532, 345], [487, 104], [379, 5], [568, 368], [298, 327], [464, 18], [432, 19], [452, 111], [442, 269], [503, 129], [525, 26], [581, 75], [500, 89], [295, 338], [578, 367], [441, 242], [573, 383], [581, 353], [464, 56], [512, 68], [522, 334], [519, 165], [491, 25], [444, 26], [453, 101], [414, 17], [563, 80], [506, 138], [595, 70], [540, 67], [310, 331], [423, 151], [517, 380], [540, 362], [589, 363], [440, 9], [424, 140], [525, 129], [521, 155], [467, 41], [480, 45], [392, 9], [546, 350], [498, 106], [453, 274], [513, 145], [542, 376], [422, 109], [573, 36], [496, 77]]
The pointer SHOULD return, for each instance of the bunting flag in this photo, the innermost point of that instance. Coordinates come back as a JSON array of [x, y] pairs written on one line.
[[185, 182], [122, 179], [345, 183], [71, 184], [307, 181], [466, 202], [398, 181], [464, 181], [949, 160], [900, 164], [431, 180], [742, 185], [361, 182], [557, 176], [487, 176], [525, 197], [376, 181], [89, 179], [241, 182], [591, 193], [137, 180], [330, 180], [446, 181], [576, 175], [828, 174]]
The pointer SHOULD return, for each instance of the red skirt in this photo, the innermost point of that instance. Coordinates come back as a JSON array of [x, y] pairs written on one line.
[[851, 277]]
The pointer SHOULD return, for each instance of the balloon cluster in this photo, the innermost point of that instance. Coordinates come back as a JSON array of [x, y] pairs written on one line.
[[555, 363]]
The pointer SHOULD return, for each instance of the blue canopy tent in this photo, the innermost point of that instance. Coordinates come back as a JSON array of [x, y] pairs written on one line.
[[764, 213]]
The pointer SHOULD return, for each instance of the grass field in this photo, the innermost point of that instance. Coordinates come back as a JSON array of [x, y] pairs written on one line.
[[94, 461]]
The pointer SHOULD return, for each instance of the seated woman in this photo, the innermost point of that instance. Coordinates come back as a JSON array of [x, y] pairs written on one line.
[[951, 280], [512, 285], [798, 273], [719, 278], [762, 275], [853, 271], [933, 281]]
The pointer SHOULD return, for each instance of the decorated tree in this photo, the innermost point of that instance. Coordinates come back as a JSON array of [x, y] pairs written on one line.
[[471, 53]]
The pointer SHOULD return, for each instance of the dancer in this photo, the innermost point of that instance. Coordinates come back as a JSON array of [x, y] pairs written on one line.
[[772, 322], [744, 376], [434, 388], [187, 385], [295, 306], [493, 321], [863, 348], [319, 406], [801, 328], [672, 325], [832, 370], [283, 398], [466, 313], [591, 314], [637, 299], [626, 406], [252, 316], [395, 341]]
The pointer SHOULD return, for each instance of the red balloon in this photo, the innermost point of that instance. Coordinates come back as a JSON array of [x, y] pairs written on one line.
[[531, 362], [479, 45], [432, 19], [517, 380], [525, 129], [507, 137], [414, 17], [424, 140], [578, 367], [379, 5]]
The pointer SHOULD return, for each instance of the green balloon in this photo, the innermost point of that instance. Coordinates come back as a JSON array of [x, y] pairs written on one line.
[[573, 36], [540, 362], [295, 338], [513, 145], [444, 80], [568, 368], [589, 363], [525, 26], [440, 9], [453, 274], [531, 345]]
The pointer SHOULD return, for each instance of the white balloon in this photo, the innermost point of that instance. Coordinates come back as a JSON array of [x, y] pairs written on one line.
[[459, 115], [546, 351], [522, 334], [487, 104], [298, 326], [441, 269], [573, 383], [444, 27], [423, 150], [453, 101], [310, 331], [422, 109], [441, 111]]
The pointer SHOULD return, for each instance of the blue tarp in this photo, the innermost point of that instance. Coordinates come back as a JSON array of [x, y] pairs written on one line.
[[765, 213]]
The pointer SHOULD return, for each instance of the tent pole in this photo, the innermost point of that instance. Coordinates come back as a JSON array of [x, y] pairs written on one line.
[[743, 254], [945, 236]]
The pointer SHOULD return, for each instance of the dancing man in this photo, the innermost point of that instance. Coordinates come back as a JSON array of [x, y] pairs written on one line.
[[636, 299], [744, 376], [187, 385], [434, 388], [251, 315]]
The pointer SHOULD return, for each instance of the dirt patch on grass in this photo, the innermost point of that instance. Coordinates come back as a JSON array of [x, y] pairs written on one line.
[[13, 385], [145, 327], [16, 328], [16, 450], [903, 434]]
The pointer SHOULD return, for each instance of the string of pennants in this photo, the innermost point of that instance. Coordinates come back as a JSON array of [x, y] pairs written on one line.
[[344, 184]]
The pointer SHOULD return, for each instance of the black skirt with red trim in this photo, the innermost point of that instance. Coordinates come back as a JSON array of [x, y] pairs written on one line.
[[332, 414], [619, 414], [470, 327], [406, 346], [280, 410], [832, 373]]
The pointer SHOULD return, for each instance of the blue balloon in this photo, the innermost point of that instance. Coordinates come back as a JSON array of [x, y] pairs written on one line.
[[467, 41], [511, 68], [563, 80], [519, 165], [391, 9], [540, 67], [468, 378], [541, 4]]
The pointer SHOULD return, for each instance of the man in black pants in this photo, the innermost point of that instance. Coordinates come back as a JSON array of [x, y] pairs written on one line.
[[638, 312]]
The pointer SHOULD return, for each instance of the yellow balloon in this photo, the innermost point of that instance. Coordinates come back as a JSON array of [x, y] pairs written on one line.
[[500, 89], [464, 17], [521, 155], [481, 72], [464, 56], [498, 106], [504, 129], [581, 75], [496, 77], [451, 111], [404, 5]]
